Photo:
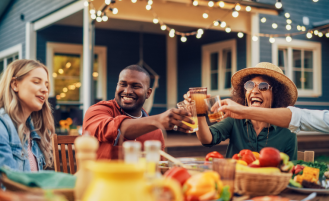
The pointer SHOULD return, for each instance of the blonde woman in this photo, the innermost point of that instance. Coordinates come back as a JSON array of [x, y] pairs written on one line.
[[26, 122]]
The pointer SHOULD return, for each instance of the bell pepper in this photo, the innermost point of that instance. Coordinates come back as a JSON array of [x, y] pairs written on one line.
[[245, 155], [179, 174], [203, 186], [210, 156]]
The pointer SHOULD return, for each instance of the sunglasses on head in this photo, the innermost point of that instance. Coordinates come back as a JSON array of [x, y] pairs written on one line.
[[250, 85]]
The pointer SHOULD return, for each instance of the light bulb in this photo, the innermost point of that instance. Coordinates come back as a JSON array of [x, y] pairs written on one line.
[[60, 71], [205, 15], [134, 1], [211, 4], [272, 40], [86, 3], [105, 18], [62, 95], [278, 4], [320, 34], [172, 33], [98, 19], [288, 27], [107, 2], [183, 39], [221, 4], [150, 2], [248, 8], [327, 35], [163, 27], [240, 34], [288, 39], [315, 0], [198, 36], [235, 13], [287, 15], [303, 28], [275, 25], [255, 38], [99, 13], [115, 11], [223, 24], [195, 3], [289, 21], [92, 11], [228, 29], [65, 89], [148, 7], [58, 97], [216, 23], [263, 20], [95, 74], [299, 28], [316, 32], [155, 21], [309, 35], [237, 7], [200, 31], [54, 74], [93, 16]]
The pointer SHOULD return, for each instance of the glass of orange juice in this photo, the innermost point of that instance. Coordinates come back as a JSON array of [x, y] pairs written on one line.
[[192, 109], [198, 94], [213, 105]]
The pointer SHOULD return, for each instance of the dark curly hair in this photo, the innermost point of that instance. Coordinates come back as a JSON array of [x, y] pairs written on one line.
[[281, 97]]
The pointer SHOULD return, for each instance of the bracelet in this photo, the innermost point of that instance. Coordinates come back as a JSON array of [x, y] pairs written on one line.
[[201, 115]]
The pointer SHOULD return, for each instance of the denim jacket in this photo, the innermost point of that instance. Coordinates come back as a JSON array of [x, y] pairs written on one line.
[[11, 151]]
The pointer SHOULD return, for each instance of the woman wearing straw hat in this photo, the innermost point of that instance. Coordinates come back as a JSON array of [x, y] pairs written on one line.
[[262, 86]]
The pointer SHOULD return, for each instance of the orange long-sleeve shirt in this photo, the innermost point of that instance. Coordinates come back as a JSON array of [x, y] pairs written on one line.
[[103, 121]]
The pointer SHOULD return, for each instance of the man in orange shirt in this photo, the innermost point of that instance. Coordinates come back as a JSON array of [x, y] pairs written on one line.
[[124, 117]]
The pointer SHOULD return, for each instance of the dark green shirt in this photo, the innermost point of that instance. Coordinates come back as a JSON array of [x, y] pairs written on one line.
[[236, 130]]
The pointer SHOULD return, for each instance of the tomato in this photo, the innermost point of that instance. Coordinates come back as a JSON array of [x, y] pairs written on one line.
[[210, 156], [179, 174]]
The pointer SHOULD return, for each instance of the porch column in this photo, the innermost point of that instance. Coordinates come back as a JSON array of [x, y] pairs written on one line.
[[171, 72], [86, 83], [253, 52], [30, 41]]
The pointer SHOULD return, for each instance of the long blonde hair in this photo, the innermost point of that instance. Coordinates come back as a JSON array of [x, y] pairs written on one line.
[[43, 121]]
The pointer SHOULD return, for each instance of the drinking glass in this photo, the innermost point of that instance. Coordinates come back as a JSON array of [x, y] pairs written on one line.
[[192, 109], [226, 170], [214, 114], [198, 94]]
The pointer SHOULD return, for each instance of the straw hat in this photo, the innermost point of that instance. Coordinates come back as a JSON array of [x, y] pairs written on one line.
[[271, 70]]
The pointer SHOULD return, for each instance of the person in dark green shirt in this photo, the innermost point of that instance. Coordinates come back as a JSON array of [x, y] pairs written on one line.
[[262, 86]]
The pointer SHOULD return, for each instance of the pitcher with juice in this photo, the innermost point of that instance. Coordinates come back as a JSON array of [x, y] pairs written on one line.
[[192, 109]]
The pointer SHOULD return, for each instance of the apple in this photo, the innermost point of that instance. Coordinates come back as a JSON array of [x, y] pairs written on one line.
[[269, 157]]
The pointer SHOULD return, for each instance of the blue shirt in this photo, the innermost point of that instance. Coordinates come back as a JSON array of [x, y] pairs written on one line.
[[309, 120], [12, 153]]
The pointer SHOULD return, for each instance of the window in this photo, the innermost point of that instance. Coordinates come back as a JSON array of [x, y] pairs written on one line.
[[218, 66], [9, 55], [301, 62]]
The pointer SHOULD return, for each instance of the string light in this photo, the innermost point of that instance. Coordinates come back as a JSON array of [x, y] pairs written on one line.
[[200, 31], [205, 15], [315, 0], [68, 65], [288, 27], [134, 1], [303, 28], [211, 4], [240, 34], [289, 21], [299, 28], [150, 2], [216, 23], [99, 13], [155, 21], [78, 84], [63, 95], [235, 13], [287, 15], [320, 34], [105, 18], [60, 71], [309, 35], [288, 39], [92, 11], [274, 25], [54, 74], [255, 38], [115, 11], [95, 74], [248, 8], [195, 3], [228, 29], [183, 39], [272, 40], [65, 89], [316, 32], [198, 36], [98, 19], [71, 87], [278, 4], [327, 35], [237, 7], [221, 4], [148, 7], [163, 27], [172, 33], [223, 24], [263, 20], [93, 16], [86, 3], [107, 2]]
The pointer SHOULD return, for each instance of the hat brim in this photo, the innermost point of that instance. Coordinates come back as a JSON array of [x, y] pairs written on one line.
[[281, 78]]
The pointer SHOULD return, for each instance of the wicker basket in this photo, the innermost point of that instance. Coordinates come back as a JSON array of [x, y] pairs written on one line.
[[257, 184]]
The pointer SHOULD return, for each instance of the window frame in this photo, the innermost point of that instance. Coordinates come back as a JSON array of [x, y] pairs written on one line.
[[11, 52], [281, 43], [207, 50], [67, 48]]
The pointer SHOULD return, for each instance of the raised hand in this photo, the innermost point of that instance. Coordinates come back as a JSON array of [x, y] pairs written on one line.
[[173, 117], [232, 109]]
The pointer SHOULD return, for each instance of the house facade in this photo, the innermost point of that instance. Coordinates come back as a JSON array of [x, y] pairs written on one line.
[[56, 33]]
